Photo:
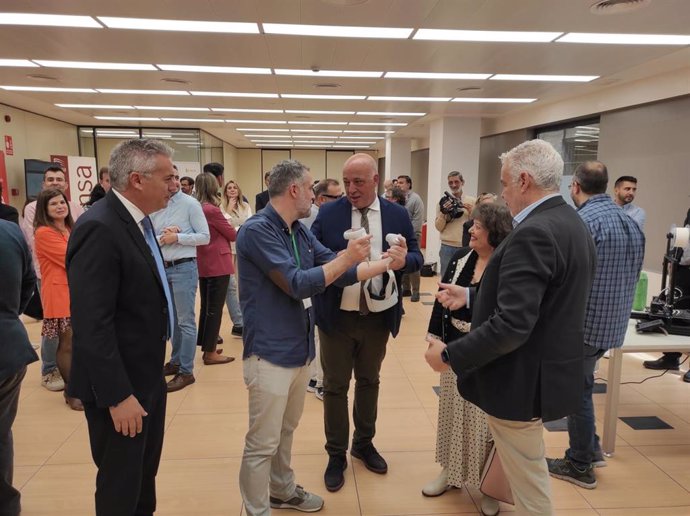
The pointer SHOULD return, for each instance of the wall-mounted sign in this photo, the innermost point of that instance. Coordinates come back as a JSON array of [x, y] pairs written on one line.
[[9, 145]]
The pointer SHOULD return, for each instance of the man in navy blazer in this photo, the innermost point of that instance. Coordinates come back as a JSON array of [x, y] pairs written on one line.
[[353, 337], [121, 318], [522, 362]]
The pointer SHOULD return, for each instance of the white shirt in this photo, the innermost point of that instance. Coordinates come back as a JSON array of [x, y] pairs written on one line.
[[135, 212], [351, 294]]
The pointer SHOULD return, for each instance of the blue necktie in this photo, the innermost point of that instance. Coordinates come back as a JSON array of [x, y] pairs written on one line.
[[155, 251]]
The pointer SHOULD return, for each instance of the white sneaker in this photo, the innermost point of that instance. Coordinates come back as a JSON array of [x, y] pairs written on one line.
[[319, 393], [438, 486], [300, 501], [53, 381]]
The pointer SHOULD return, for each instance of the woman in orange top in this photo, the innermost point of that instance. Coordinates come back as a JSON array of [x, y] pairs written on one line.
[[53, 223]]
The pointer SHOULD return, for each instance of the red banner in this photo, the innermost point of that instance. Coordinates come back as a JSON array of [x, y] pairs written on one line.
[[3, 180], [9, 146]]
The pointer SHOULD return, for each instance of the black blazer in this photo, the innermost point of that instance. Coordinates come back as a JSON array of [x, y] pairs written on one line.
[[523, 357], [261, 201], [333, 220], [18, 280], [9, 213], [119, 309]]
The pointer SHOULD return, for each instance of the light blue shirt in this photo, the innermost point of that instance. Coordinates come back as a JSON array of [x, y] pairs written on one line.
[[524, 213], [636, 213], [185, 212]]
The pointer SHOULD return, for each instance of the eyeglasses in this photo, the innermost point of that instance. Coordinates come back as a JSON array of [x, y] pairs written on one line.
[[335, 197]]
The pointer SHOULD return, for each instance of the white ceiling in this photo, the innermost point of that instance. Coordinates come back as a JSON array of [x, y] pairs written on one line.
[[615, 64]]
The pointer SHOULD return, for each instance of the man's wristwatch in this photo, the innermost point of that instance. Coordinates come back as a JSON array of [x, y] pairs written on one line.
[[445, 358]]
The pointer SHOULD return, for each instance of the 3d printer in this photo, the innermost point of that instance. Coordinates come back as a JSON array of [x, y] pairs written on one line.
[[669, 312]]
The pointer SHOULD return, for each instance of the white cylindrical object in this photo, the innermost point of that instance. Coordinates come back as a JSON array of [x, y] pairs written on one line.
[[680, 238], [354, 234], [393, 238]]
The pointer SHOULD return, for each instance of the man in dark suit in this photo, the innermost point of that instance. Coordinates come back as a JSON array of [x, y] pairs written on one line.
[[18, 280], [121, 317], [8, 212], [522, 362], [353, 336], [262, 197]]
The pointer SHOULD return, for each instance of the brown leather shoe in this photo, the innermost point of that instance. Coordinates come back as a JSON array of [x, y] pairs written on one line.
[[171, 369], [180, 381], [214, 359]]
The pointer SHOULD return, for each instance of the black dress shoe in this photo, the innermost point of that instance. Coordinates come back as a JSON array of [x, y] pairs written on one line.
[[237, 331], [334, 477], [171, 369], [662, 363], [406, 293], [686, 377], [371, 458]]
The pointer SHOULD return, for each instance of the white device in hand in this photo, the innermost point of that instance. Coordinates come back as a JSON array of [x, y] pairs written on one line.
[[354, 234]]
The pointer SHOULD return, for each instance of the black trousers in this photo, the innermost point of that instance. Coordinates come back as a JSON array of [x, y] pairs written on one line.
[[213, 291], [127, 466], [9, 400], [358, 345]]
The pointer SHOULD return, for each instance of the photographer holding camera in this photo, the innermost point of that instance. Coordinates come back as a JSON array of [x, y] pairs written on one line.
[[452, 212]]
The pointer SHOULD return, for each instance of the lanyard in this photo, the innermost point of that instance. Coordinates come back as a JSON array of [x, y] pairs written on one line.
[[294, 248]]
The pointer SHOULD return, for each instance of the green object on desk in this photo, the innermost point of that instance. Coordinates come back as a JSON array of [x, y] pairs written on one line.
[[640, 300]]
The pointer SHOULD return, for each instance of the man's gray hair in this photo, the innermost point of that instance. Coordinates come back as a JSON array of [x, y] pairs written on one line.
[[283, 175], [134, 156], [455, 173], [540, 160]]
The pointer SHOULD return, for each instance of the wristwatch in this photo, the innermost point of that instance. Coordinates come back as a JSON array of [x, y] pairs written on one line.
[[445, 358]]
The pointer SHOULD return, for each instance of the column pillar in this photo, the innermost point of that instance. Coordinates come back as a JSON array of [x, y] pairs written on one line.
[[453, 145], [398, 157]]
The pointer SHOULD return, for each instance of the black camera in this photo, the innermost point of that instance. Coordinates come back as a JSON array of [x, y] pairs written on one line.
[[451, 206]]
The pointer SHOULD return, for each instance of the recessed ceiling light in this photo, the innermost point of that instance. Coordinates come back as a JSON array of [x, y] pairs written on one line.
[[49, 20], [278, 122], [94, 106], [273, 145], [234, 94], [142, 92], [179, 25], [410, 99], [316, 130], [140, 118], [329, 97], [386, 113], [171, 108], [486, 35], [624, 39], [360, 137], [297, 136], [238, 110], [313, 146], [86, 65], [546, 78], [48, 89], [214, 69], [300, 122], [493, 100], [320, 142], [271, 141], [336, 31], [260, 129], [200, 120], [269, 136], [433, 75], [318, 112], [399, 124], [356, 142], [18, 62], [328, 73], [370, 132]]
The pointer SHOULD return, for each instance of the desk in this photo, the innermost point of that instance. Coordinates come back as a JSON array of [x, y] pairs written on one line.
[[634, 343]]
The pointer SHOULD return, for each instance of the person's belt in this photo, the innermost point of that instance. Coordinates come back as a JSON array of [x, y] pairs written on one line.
[[172, 263]]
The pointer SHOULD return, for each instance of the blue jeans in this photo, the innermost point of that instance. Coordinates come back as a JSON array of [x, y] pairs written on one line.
[[584, 441], [233, 302], [445, 254], [48, 351], [182, 280]]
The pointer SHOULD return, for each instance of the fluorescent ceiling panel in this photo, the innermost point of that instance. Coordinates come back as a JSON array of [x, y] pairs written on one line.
[[49, 20], [94, 106], [171, 108], [297, 136], [278, 122], [139, 118], [237, 110], [259, 129], [545, 78], [316, 112], [336, 31], [624, 39], [493, 100], [316, 130], [305, 122], [271, 141], [142, 92], [268, 136], [214, 69], [360, 137], [18, 62], [486, 35], [93, 65], [199, 120], [370, 132], [386, 113], [329, 97], [48, 89], [234, 94], [433, 75], [328, 73], [320, 142], [179, 25], [398, 124], [410, 99], [312, 146]]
